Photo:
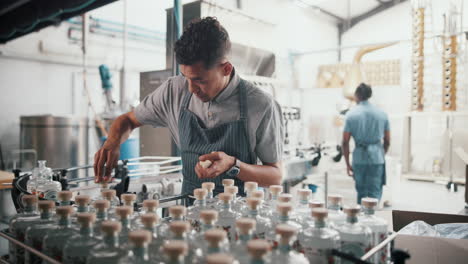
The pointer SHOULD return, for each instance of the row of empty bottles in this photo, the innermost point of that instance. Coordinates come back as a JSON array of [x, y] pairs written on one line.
[[222, 229]]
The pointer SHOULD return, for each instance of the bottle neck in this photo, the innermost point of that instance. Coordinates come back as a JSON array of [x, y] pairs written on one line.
[[283, 217], [226, 206], [284, 247], [257, 261], [212, 249], [29, 209], [244, 238], [369, 210], [206, 227], [128, 203], [199, 203], [125, 221], [334, 207], [141, 253], [86, 230], [209, 195], [253, 213], [64, 221], [351, 219], [111, 240], [177, 218], [304, 202], [150, 210], [319, 223], [65, 203], [46, 215], [82, 209], [152, 229], [101, 215]]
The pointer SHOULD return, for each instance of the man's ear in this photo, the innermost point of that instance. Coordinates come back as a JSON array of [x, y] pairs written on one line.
[[227, 68]]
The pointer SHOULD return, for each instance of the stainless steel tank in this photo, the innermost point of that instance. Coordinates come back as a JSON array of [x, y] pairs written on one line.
[[61, 140]]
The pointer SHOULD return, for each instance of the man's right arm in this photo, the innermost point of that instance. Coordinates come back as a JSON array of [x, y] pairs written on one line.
[[106, 158]]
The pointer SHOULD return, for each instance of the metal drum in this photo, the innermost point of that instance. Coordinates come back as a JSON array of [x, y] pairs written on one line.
[[61, 140]]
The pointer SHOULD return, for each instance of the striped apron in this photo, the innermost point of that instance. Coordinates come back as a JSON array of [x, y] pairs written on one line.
[[196, 140]]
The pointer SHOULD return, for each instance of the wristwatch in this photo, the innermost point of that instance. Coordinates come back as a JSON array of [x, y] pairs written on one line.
[[234, 170]]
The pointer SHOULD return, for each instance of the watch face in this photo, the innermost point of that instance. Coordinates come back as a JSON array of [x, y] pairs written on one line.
[[233, 171]]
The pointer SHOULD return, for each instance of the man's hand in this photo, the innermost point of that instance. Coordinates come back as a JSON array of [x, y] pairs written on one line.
[[350, 171], [104, 161], [221, 163]]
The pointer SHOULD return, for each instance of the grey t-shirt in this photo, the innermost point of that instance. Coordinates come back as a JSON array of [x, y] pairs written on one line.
[[161, 108]]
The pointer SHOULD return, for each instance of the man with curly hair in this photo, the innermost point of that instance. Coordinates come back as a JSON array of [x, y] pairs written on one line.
[[225, 127]]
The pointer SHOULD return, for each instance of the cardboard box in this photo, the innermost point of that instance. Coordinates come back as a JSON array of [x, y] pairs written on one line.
[[430, 250]]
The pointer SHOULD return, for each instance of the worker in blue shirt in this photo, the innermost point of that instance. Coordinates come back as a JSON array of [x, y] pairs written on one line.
[[369, 127]]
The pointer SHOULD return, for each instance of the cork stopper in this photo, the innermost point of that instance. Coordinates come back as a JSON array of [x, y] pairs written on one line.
[[215, 236], [82, 200], [123, 211], [177, 211], [232, 190], [86, 219], [219, 258], [209, 186], [245, 225], [208, 217], [45, 205], [316, 204], [285, 198], [258, 248], [139, 238], [250, 186], [275, 189], [258, 194], [369, 202], [206, 163], [352, 210], [284, 208], [253, 203], [108, 194], [174, 249], [286, 232], [29, 200], [335, 199], [151, 205], [110, 227], [225, 197], [149, 220], [104, 185], [319, 213], [64, 211], [304, 194], [64, 196], [128, 198], [179, 227], [200, 193], [228, 182], [101, 205]]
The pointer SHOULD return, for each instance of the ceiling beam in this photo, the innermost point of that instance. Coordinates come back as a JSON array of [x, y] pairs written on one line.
[[321, 10]]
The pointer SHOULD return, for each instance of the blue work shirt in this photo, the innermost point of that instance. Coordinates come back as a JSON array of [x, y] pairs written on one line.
[[367, 125]]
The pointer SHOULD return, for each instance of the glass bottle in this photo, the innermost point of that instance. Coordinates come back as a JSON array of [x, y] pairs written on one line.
[[274, 192], [245, 232], [237, 205], [317, 241], [283, 211], [208, 219], [227, 183], [356, 239], [149, 206], [285, 254], [283, 198], [77, 248], [302, 207], [219, 258], [111, 196], [258, 250], [18, 225], [227, 217], [262, 210], [64, 198], [175, 252], [193, 212], [101, 207], [37, 229], [210, 199], [176, 213], [249, 187], [307, 220], [129, 199], [47, 188], [335, 215], [262, 222], [55, 239], [149, 222], [139, 239], [215, 241], [108, 251], [180, 230], [124, 214], [82, 203], [378, 226]]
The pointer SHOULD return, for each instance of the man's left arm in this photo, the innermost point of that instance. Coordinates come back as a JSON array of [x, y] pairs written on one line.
[[386, 139]]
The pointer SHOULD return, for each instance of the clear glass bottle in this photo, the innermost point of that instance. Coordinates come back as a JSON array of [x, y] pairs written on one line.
[[124, 215], [274, 192], [108, 251], [262, 222], [308, 220], [175, 252], [245, 232], [149, 206], [139, 240], [55, 239], [283, 198], [302, 208], [82, 203], [129, 199], [258, 251], [208, 219], [262, 210], [249, 187], [317, 241], [176, 213], [19, 224], [237, 205], [336, 217], [47, 188], [283, 211], [31, 185], [77, 248], [356, 239], [215, 241], [180, 230], [378, 226], [111, 196], [210, 199], [37, 229], [193, 212], [101, 207], [64, 198], [227, 217], [227, 183], [285, 254], [150, 222]]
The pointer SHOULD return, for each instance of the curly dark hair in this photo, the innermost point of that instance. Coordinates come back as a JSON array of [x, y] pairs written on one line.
[[363, 92], [204, 40]]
